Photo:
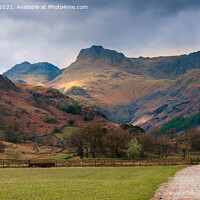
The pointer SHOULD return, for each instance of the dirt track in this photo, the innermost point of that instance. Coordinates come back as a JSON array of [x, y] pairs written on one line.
[[185, 185]]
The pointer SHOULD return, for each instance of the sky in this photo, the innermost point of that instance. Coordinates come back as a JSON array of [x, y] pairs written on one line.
[[133, 27]]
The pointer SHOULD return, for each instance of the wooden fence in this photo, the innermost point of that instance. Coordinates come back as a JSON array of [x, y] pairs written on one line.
[[95, 163]]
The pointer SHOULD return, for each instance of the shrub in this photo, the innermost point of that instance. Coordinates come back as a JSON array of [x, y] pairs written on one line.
[[135, 149], [104, 116], [51, 120], [37, 111], [69, 107], [71, 122], [57, 130], [28, 123], [85, 118]]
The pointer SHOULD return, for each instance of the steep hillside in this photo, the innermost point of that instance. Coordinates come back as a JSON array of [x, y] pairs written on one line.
[[39, 110], [6, 84], [33, 74], [182, 98]]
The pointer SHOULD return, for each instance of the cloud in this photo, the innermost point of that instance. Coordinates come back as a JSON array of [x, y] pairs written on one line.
[[134, 27]]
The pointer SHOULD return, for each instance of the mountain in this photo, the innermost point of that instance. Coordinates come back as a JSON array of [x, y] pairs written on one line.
[[33, 74], [182, 98], [168, 67], [38, 110], [113, 83], [121, 87], [144, 91]]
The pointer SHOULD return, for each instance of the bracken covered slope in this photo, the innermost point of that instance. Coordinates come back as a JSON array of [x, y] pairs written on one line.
[[39, 109]]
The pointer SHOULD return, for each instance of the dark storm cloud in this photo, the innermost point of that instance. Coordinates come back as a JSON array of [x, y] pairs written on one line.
[[135, 27]]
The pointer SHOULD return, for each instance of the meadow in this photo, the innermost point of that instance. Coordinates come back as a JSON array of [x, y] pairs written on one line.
[[83, 183]]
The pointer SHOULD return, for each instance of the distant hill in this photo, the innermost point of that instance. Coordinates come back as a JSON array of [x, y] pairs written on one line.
[[33, 74], [39, 109]]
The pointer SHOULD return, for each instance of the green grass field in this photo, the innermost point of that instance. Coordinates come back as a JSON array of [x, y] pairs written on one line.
[[83, 183], [66, 131]]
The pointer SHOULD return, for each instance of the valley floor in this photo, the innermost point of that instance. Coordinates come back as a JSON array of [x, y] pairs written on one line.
[[83, 183]]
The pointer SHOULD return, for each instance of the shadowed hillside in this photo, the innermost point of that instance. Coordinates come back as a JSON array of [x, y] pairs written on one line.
[[33, 74], [182, 98]]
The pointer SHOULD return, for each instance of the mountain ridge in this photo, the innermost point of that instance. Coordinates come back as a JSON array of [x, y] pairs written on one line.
[[117, 85]]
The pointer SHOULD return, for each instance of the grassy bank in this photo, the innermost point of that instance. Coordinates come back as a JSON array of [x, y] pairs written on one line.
[[83, 183]]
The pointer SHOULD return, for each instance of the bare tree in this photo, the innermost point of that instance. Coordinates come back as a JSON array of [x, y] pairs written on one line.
[[88, 140], [77, 140], [116, 142], [163, 145], [171, 133], [148, 143]]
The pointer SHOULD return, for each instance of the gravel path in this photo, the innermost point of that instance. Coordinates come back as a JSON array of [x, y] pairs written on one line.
[[185, 185]]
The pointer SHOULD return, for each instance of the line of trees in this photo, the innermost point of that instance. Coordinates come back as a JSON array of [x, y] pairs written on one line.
[[123, 141], [129, 141], [93, 140]]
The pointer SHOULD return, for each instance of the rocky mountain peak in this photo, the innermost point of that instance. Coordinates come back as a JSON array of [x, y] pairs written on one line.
[[25, 63], [99, 53], [92, 53]]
